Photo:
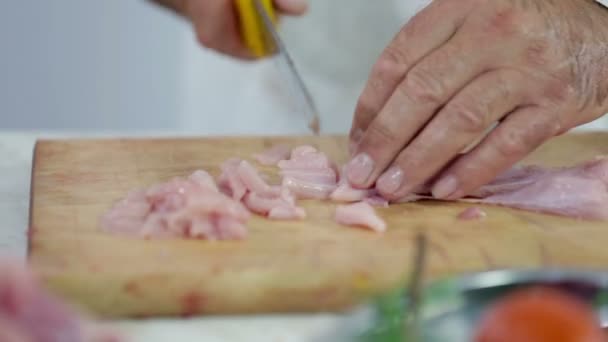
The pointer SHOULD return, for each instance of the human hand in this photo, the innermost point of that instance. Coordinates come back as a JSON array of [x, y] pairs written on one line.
[[216, 22], [539, 68]]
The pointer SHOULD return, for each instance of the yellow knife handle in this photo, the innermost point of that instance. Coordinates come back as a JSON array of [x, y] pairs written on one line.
[[252, 28]]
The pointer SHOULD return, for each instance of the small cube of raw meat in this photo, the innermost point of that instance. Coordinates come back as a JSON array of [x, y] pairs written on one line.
[[273, 155], [360, 214], [473, 213]]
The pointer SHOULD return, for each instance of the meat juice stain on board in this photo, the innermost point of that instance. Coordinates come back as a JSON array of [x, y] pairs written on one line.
[[192, 303]]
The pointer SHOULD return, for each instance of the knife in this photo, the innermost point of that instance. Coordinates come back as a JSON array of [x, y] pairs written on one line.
[[258, 19]]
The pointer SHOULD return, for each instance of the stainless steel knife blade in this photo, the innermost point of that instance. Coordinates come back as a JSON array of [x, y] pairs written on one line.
[[285, 64]]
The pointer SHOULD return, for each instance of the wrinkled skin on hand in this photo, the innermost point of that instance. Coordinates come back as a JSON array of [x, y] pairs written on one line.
[[538, 68], [216, 22]]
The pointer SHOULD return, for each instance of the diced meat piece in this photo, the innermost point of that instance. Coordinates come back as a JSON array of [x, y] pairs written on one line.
[[309, 174], [377, 201], [308, 190], [273, 155], [346, 193], [288, 196], [473, 213], [322, 175], [281, 207], [302, 151], [276, 202], [413, 198], [187, 208], [313, 161], [254, 182], [203, 179], [239, 176], [287, 213], [307, 157], [263, 205], [129, 215], [228, 228], [229, 181], [360, 214]]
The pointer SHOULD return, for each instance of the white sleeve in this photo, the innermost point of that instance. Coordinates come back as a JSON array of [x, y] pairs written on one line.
[[603, 2]]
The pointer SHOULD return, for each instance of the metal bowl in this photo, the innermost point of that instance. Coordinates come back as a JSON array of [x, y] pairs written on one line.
[[451, 307]]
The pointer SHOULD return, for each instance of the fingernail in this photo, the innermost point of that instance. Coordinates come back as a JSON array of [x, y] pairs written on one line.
[[445, 187], [359, 169], [390, 181]]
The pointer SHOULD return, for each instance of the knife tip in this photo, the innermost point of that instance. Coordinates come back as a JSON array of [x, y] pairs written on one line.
[[315, 125]]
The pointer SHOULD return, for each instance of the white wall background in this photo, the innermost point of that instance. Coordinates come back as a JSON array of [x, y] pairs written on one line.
[[117, 65], [89, 64]]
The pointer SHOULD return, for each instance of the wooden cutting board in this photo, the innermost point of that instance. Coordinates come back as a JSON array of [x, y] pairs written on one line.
[[314, 265]]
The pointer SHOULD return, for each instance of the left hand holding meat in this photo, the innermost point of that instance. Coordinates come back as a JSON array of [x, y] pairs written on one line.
[[539, 68]]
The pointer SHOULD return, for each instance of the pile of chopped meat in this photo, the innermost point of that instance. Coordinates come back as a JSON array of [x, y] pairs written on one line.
[[200, 207], [191, 207], [241, 181]]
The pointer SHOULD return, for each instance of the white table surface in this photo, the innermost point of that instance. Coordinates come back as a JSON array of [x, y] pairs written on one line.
[[15, 166]]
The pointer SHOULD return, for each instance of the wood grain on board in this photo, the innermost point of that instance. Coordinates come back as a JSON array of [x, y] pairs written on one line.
[[309, 266]]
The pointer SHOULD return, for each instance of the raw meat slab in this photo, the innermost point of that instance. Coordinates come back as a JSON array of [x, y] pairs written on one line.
[[303, 266]]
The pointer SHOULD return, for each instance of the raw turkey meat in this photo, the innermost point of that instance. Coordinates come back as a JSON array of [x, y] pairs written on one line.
[[198, 208], [242, 181], [580, 191], [360, 214], [191, 207], [307, 189], [376, 201], [273, 155], [252, 180], [309, 174], [344, 192], [229, 181], [276, 207], [473, 213]]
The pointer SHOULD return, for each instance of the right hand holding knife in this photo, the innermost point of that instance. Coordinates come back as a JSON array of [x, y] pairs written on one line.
[[216, 23]]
